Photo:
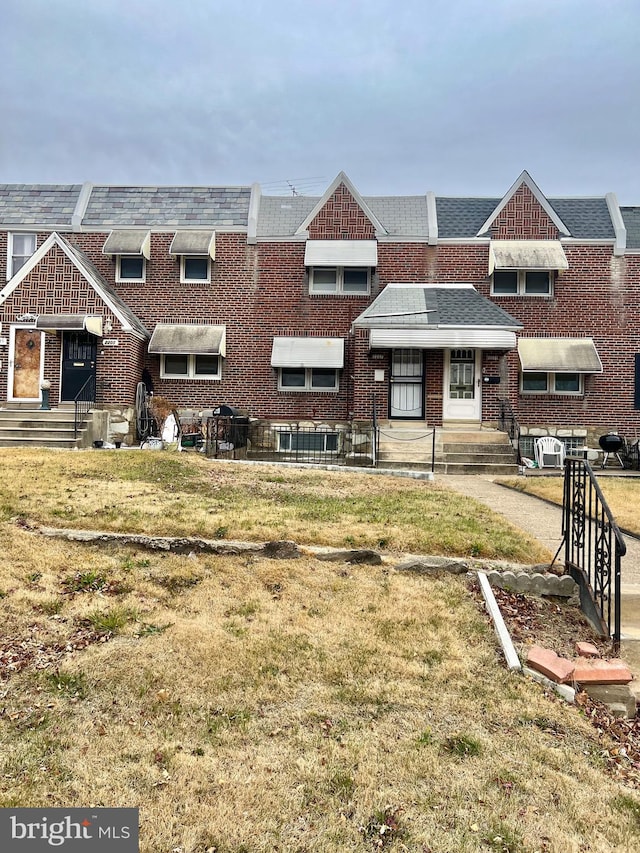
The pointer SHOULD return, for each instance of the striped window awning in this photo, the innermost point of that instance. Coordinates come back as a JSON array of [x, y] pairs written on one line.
[[452, 338]]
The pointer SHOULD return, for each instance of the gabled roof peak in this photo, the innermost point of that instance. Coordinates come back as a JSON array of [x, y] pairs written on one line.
[[526, 179], [341, 178]]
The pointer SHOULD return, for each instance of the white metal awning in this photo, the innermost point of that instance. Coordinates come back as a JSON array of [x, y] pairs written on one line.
[[194, 243], [70, 323], [130, 242], [307, 352], [559, 355], [527, 255], [341, 253], [458, 338], [191, 339]]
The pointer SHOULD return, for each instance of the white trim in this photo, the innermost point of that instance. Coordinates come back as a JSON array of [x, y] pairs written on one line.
[[308, 377], [526, 179], [191, 367], [550, 390], [460, 337], [341, 253], [11, 254], [432, 219], [521, 283], [82, 203], [617, 221], [454, 409], [184, 280], [339, 288], [252, 216], [143, 277], [341, 178]]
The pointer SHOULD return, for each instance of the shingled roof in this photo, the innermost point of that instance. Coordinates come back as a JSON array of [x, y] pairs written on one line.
[[38, 204], [631, 218]]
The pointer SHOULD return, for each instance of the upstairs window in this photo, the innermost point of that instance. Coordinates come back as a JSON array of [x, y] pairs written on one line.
[[194, 268], [341, 280], [522, 283], [130, 268], [21, 247]]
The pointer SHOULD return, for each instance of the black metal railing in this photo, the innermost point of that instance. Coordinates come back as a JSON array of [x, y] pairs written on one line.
[[375, 435], [594, 547], [84, 401], [508, 423], [240, 438]]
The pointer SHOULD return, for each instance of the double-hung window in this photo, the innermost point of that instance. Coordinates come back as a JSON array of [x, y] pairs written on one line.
[[21, 247], [340, 280], [522, 283], [308, 364]]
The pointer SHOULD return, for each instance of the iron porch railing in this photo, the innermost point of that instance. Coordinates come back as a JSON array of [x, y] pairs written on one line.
[[594, 547], [84, 401], [508, 423]]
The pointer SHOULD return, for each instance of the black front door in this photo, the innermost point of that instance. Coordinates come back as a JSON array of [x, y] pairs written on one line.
[[78, 362]]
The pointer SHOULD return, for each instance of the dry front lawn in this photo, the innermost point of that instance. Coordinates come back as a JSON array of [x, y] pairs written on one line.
[[250, 705]]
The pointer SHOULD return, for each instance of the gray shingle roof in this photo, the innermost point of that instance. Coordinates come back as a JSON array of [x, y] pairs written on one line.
[[280, 216], [631, 217], [401, 215], [168, 206], [463, 217], [586, 218], [38, 204], [420, 306]]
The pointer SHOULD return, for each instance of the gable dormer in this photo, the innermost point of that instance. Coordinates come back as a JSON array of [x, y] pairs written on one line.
[[341, 214], [524, 213]]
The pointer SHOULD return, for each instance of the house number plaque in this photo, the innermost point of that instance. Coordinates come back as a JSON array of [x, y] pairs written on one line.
[[110, 342]]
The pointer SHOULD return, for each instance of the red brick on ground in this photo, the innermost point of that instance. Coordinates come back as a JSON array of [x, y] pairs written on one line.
[[587, 650], [548, 663], [613, 671]]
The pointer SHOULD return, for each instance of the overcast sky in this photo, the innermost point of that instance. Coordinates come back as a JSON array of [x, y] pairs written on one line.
[[455, 96]]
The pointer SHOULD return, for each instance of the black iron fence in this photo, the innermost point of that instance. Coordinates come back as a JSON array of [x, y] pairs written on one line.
[[594, 548], [239, 438]]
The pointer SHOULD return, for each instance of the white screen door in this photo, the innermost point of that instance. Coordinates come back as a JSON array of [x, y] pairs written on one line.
[[462, 392]]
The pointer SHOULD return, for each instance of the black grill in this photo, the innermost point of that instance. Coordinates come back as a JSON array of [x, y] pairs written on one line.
[[610, 443]]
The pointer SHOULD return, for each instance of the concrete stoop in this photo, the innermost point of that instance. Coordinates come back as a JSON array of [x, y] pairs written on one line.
[[464, 450], [23, 427]]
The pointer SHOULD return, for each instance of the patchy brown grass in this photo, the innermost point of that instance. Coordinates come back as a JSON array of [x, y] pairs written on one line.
[[184, 494], [621, 493], [250, 705]]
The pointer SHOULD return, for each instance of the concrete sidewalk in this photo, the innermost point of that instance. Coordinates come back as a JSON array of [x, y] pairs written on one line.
[[544, 522]]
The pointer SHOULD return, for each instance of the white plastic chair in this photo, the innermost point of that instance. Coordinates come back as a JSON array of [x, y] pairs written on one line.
[[549, 452]]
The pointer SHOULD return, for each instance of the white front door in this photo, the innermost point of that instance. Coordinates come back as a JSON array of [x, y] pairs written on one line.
[[407, 383], [462, 398]]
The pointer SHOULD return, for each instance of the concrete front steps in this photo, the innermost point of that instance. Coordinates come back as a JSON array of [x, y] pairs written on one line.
[[463, 450], [22, 427]]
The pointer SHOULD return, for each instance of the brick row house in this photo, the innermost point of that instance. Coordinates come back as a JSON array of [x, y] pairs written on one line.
[[425, 309]]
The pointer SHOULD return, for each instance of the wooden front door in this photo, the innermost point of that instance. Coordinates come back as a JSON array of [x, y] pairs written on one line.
[[25, 364]]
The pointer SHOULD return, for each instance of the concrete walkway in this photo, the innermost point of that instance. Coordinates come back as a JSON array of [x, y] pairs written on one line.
[[544, 522]]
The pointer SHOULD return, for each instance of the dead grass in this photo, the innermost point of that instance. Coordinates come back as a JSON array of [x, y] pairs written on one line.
[[184, 494], [258, 705], [250, 705], [621, 493]]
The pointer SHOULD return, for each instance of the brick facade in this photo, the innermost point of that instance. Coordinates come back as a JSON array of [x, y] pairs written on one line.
[[260, 290]]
